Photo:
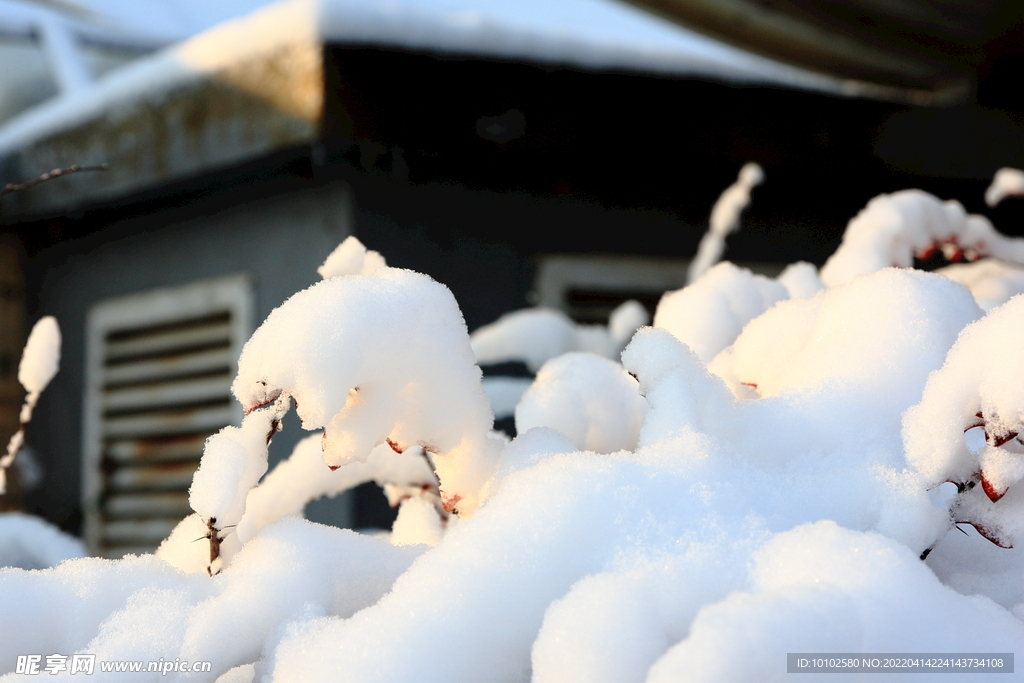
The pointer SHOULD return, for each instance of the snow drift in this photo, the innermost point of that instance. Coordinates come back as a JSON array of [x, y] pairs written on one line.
[[776, 466]]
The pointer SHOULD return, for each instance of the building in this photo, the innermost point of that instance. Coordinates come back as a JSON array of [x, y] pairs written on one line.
[[486, 144]]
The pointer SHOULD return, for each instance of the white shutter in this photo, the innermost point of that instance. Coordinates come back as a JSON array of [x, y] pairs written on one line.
[[159, 367], [589, 287]]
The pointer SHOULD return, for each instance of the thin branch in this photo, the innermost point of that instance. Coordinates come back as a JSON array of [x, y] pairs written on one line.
[[50, 175], [212, 533]]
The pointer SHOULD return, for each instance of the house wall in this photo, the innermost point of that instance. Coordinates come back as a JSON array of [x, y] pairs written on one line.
[[12, 339], [279, 240]]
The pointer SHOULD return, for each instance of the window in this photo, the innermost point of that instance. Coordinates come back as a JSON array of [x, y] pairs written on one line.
[[589, 287], [159, 367]]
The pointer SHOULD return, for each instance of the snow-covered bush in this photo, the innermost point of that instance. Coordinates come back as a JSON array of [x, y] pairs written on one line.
[[534, 336], [764, 473]]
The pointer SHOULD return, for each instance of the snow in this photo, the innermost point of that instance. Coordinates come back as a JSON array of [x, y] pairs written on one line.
[[587, 34], [417, 524], [801, 280], [29, 542], [233, 461], [137, 23], [1006, 182], [533, 336], [976, 387], [682, 395], [819, 588], [148, 610], [892, 321], [61, 50], [302, 478], [893, 228], [710, 313], [397, 351], [776, 466], [40, 361], [351, 258], [725, 219], [593, 34], [536, 335], [626, 319], [589, 399], [41, 357], [991, 281]]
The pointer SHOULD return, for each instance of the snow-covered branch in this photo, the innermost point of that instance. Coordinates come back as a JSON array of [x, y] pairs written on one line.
[[39, 363], [1007, 182], [536, 335], [893, 228], [725, 219], [979, 392]]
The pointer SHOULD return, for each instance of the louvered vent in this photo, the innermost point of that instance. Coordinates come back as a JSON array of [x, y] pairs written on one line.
[[589, 287], [160, 366]]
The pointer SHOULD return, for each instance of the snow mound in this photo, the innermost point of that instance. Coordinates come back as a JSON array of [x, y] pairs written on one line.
[[653, 521], [992, 282], [821, 588], [709, 314], [233, 461], [30, 542], [801, 280], [893, 321], [590, 399], [683, 396], [148, 610]]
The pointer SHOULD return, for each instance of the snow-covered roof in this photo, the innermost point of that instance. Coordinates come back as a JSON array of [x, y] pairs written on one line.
[[140, 23], [586, 34], [591, 34]]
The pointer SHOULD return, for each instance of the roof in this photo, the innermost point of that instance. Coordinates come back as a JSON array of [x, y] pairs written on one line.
[[936, 50], [266, 65]]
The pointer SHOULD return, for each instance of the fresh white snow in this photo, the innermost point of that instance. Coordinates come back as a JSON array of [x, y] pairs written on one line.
[[777, 466], [1006, 182], [40, 361]]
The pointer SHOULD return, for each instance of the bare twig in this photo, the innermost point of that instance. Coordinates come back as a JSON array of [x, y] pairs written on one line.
[[438, 503], [213, 533], [50, 175], [14, 447]]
